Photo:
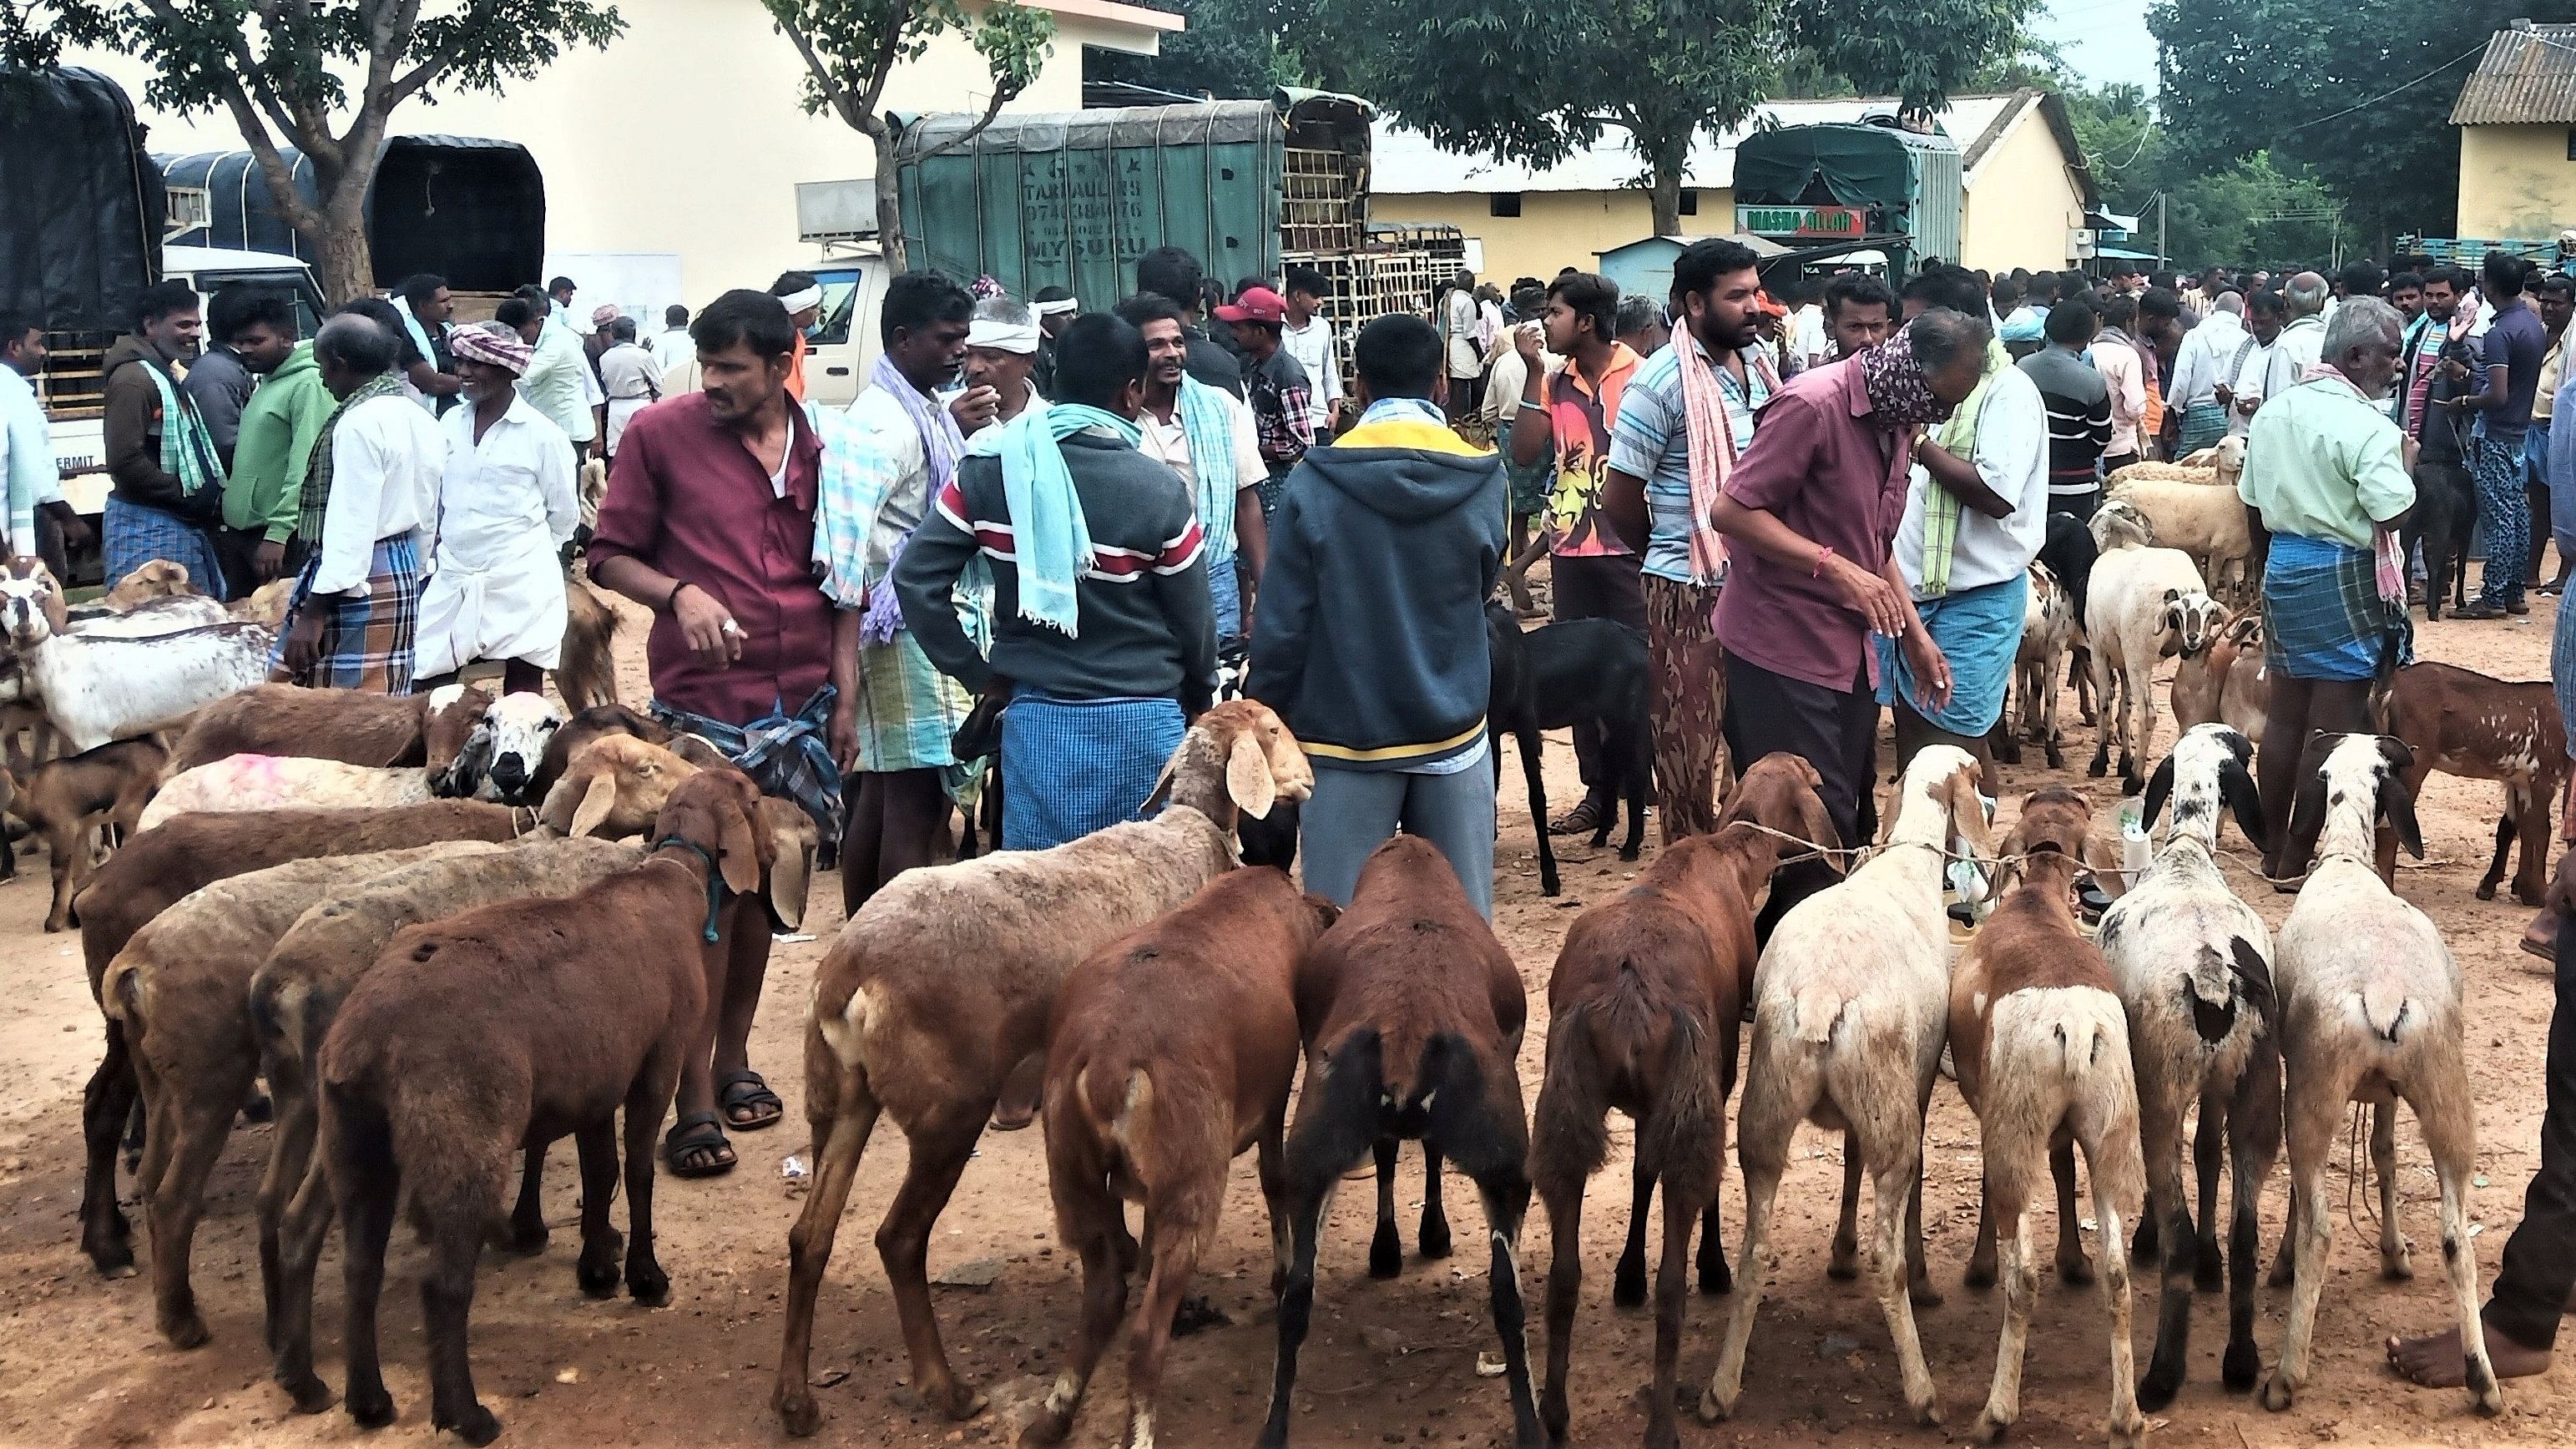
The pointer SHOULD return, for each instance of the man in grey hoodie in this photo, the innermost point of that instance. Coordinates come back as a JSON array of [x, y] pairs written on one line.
[[1370, 639]]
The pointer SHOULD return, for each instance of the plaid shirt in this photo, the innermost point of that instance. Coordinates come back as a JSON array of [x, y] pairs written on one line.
[[1281, 401]]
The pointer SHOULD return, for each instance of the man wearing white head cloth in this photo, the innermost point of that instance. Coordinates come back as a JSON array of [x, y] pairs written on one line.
[[506, 505], [1056, 308], [802, 296], [1002, 341]]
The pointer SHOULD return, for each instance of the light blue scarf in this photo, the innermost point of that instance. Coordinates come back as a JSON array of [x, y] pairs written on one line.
[[1421, 410], [1050, 539], [1209, 428]]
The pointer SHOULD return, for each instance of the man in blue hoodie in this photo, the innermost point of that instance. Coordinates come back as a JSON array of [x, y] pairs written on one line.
[[1370, 639]]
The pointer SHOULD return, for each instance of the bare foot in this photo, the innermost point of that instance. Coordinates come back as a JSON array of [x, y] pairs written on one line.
[[2436, 1360]]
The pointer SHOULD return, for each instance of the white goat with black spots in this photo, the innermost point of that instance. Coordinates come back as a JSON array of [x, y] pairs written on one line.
[[2370, 1012]]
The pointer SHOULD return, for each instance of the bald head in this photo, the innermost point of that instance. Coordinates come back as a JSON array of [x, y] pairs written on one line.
[[2306, 295], [2231, 303]]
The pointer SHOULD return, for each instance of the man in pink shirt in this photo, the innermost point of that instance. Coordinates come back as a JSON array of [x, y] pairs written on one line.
[[1809, 513], [2115, 356]]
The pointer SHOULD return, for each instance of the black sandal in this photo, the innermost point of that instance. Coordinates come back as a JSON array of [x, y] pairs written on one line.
[[700, 1133], [1583, 819], [745, 1089]]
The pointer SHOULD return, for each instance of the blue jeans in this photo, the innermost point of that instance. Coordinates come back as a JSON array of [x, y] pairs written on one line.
[[1353, 812], [2506, 511]]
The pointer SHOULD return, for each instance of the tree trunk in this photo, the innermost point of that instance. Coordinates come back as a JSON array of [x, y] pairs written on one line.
[[889, 204], [1667, 192], [336, 231]]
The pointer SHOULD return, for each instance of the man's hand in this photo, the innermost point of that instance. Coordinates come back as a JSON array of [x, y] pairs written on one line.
[[1868, 595], [843, 733], [76, 530], [1530, 342], [2225, 395], [268, 560], [976, 408], [1931, 669], [304, 641], [712, 634]]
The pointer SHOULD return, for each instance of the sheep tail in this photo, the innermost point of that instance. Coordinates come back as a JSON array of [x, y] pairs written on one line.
[[2385, 1006], [1817, 1008], [2080, 1044], [1570, 1133], [1118, 1101], [1683, 1137]]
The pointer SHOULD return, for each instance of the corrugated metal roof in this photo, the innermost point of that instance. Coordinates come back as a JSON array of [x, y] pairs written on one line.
[[2527, 77]]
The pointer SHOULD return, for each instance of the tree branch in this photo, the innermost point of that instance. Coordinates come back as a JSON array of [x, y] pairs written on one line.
[[413, 81], [991, 109], [835, 94], [885, 58]]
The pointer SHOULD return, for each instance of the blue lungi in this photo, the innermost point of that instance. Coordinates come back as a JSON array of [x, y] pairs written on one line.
[[1073, 766], [1225, 591], [1979, 631], [367, 640], [2322, 614], [2204, 424], [134, 534]]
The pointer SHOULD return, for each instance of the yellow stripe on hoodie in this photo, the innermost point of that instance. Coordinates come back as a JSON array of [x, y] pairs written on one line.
[[1419, 434]]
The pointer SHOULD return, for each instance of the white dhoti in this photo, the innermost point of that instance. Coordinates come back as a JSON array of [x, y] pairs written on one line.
[[513, 609]]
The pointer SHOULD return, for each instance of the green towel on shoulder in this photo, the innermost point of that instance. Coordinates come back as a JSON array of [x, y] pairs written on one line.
[[1941, 507]]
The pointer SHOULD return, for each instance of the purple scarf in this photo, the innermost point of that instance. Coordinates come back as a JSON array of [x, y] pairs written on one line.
[[942, 444]]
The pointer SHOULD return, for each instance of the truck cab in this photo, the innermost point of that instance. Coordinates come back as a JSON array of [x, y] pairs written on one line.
[[846, 339]]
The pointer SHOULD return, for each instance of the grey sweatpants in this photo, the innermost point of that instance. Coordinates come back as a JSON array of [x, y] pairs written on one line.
[[1353, 812]]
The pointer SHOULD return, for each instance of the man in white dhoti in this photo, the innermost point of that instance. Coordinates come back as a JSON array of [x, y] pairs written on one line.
[[506, 507]]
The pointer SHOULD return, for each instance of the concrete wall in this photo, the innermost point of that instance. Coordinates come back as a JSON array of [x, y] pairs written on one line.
[[2021, 202], [1556, 229], [684, 136], [2515, 181]]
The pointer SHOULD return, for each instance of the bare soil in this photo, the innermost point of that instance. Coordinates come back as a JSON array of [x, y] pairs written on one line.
[[1389, 1362]]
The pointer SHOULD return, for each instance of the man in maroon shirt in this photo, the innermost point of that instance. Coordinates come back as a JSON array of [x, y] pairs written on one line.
[[709, 522], [1811, 509]]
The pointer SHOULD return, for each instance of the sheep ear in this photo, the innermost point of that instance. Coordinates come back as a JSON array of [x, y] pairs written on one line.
[[738, 853], [1247, 778], [2159, 785], [2397, 804], [791, 874], [1816, 821], [2307, 815], [1968, 813], [2246, 800], [596, 804], [1161, 794]]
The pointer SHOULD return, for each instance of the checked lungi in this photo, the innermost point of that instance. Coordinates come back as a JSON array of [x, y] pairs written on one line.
[[907, 709], [2204, 425], [134, 534], [786, 755], [1979, 631], [1689, 681], [367, 638], [2323, 617], [1079, 765]]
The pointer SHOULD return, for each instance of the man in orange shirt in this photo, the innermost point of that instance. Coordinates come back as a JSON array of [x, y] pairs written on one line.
[[802, 296], [1597, 573]]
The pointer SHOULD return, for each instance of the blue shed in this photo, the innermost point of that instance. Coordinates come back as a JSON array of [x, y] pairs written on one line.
[[1646, 265]]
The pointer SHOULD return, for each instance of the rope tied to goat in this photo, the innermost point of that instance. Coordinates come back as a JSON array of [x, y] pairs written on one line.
[[1848, 856]]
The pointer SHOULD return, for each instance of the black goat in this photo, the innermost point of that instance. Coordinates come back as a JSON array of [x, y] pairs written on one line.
[[1581, 672], [2069, 552], [2445, 514]]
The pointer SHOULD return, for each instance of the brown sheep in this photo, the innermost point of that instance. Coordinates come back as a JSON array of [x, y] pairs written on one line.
[[532, 1020], [1412, 1013], [157, 579], [1171, 1053], [2468, 724], [615, 786], [180, 991], [334, 724], [293, 999], [1644, 1008], [586, 725], [160, 866], [66, 800]]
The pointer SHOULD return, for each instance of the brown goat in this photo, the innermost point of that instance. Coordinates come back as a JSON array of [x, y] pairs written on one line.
[[156, 579], [180, 990], [533, 1020], [1412, 1013], [66, 800], [1643, 1013], [939, 989], [586, 673], [165, 863], [1172, 1052], [614, 786], [2041, 1045], [334, 724], [598, 721], [295, 996], [2464, 723], [2225, 681]]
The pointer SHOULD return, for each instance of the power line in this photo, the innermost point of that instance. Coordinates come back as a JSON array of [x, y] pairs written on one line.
[[2383, 95]]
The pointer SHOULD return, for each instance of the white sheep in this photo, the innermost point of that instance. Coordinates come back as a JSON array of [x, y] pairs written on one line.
[[2370, 1012], [2207, 523], [286, 782], [97, 688], [502, 753], [2193, 964], [2145, 603], [2048, 630], [1851, 1002]]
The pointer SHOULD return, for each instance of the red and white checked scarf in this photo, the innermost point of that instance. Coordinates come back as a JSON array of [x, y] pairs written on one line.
[[1710, 445]]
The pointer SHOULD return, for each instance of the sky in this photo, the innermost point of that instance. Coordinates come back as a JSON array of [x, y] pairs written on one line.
[[2103, 40]]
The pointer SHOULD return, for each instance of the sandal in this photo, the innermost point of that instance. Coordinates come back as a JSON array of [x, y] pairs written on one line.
[[696, 1147], [738, 1091], [1583, 819]]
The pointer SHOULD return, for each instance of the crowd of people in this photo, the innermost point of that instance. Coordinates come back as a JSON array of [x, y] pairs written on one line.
[[1045, 529]]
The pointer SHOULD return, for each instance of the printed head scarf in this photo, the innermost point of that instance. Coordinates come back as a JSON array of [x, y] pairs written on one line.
[[492, 343], [1898, 391]]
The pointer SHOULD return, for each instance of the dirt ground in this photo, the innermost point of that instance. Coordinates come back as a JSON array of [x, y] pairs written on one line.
[[1388, 1362]]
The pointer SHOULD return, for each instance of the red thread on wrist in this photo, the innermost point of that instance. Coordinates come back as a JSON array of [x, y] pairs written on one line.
[[1824, 556]]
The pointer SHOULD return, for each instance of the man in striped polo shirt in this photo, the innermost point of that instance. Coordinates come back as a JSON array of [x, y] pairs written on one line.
[[2079, 409]]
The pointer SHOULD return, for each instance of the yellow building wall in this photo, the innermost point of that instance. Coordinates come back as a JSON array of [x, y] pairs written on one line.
[[2516, 181], [684, 135], [1556, 229], [2021, 204]]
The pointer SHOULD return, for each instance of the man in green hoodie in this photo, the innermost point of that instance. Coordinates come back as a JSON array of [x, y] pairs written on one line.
[[279, 427], [1370, 640]]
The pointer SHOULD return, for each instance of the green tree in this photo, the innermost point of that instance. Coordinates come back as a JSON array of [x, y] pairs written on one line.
[[851, 47], [2247, 209], [1537, 80], [321, 76], [1233, 50], [2356, 93]]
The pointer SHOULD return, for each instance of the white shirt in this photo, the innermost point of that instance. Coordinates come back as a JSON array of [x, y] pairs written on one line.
[[2204, 356], [386, 459], [1312, 346], [633, 383], [559, 384], [2012, 457], [671, 347], [1511, 377], [2296, 350], [1169, 443], [1458, 317], [1810, 345], [27, 463], [508, 493]]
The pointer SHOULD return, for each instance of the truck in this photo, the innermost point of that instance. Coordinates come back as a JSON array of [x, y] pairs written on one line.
[[84, 218], [1834, 190]]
